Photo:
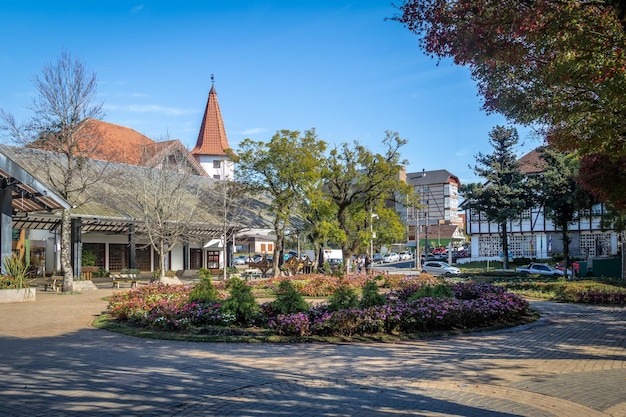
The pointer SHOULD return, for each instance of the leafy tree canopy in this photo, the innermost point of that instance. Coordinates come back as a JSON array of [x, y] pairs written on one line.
[[557, 64], [359, 182], [286, 168]]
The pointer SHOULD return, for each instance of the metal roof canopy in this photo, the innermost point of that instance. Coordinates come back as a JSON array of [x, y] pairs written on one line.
[[36, 206], [108, 225], [29, 194]]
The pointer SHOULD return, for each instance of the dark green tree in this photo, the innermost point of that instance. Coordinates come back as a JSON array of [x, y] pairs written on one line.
[[288, 299], [240, 302], [370, 296], [505, 192], [343, 298], [562, 196]]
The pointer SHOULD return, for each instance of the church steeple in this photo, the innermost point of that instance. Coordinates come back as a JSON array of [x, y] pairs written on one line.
[[212, 138], [210, 149]]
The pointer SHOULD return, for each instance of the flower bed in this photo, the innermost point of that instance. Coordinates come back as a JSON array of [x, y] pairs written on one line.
[[591, 292], [472, 305], [481, 305]]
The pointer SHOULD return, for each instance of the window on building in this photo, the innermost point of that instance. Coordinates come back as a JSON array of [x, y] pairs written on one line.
[[143, 257], [98, 249], [597, 210], [522, 246], [217, 164], [195, 258], [489, 245], [213, 259], [216, 177], [595, 244], [476, 215], [450, 190], [118, 257]]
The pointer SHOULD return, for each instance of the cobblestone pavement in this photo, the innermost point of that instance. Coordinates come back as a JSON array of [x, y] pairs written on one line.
[[53, 363]]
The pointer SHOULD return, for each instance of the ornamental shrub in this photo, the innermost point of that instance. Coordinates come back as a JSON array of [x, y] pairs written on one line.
[[370, 296], [288, 299], [433, 291], [240, 303], [204, 291], [343, 298]]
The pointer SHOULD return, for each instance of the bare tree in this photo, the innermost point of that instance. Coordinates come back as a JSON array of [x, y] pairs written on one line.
[[230, 208], [167, 198], [65, 100]]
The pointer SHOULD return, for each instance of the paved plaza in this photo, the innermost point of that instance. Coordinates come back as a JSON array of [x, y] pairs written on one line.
[[570, 363]]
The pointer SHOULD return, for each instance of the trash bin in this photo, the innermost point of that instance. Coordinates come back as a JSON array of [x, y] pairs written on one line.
[[581, 271]]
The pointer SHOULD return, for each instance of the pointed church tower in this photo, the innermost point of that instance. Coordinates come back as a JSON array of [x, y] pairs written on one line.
[[210, 150]]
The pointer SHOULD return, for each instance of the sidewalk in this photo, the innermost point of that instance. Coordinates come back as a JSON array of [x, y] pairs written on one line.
[[571, 363]]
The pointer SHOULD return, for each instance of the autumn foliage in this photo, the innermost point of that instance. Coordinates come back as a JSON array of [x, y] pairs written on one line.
[[559, 65]]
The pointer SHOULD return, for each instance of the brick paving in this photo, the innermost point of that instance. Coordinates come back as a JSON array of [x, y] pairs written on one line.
[[53, 363]]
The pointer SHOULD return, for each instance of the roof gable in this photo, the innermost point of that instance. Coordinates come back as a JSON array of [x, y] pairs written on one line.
[[532, 162], [439, 176], [117, 143]]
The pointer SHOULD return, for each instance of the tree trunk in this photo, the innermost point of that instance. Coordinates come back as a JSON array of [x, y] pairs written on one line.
[[505, 246], [224, 256], [280, 234], [624, 256], [66, 251], [161, 260]]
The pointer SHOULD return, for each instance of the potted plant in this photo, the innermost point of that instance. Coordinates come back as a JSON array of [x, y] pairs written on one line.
[[15, 285]]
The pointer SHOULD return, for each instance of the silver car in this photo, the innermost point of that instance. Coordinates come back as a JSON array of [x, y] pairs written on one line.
[[440, 268]]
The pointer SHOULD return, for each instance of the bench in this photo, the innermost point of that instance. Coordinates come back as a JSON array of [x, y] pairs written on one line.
[[126, 278], [252, 273], [56, 283]]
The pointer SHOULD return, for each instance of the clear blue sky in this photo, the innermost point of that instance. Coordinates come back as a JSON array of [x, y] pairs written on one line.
[[336, 66]]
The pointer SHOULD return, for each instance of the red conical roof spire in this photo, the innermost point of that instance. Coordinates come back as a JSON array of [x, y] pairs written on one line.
[[212, 138]]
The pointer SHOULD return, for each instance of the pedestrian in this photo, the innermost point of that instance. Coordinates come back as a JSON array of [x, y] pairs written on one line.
[[368, 265]]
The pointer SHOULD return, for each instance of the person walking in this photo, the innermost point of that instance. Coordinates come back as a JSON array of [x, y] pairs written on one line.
[[368, 265]]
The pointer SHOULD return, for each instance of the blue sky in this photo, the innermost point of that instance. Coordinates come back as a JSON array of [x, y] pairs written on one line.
[[336, 66]]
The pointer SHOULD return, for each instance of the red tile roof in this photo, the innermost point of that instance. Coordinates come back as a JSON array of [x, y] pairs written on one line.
[[532, 162], [117, 143], [122, 144], [212, 138]]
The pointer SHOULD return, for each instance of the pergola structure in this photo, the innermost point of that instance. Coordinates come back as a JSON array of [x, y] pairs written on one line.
[[29, 203], [20, 195]]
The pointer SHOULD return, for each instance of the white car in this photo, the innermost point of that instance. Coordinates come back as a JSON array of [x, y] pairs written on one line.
[[541, 269], [440, 268], [391, 257], [406, 256], [240, 260]]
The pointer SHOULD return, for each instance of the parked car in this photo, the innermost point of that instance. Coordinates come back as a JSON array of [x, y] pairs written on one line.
[[405, 256], [435, 257], [541, 269], [377, 258], [240, 260], [440, 268], [391, 257], [334, 263]]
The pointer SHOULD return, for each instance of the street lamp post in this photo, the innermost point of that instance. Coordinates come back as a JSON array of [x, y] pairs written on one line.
[[373, 235]]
